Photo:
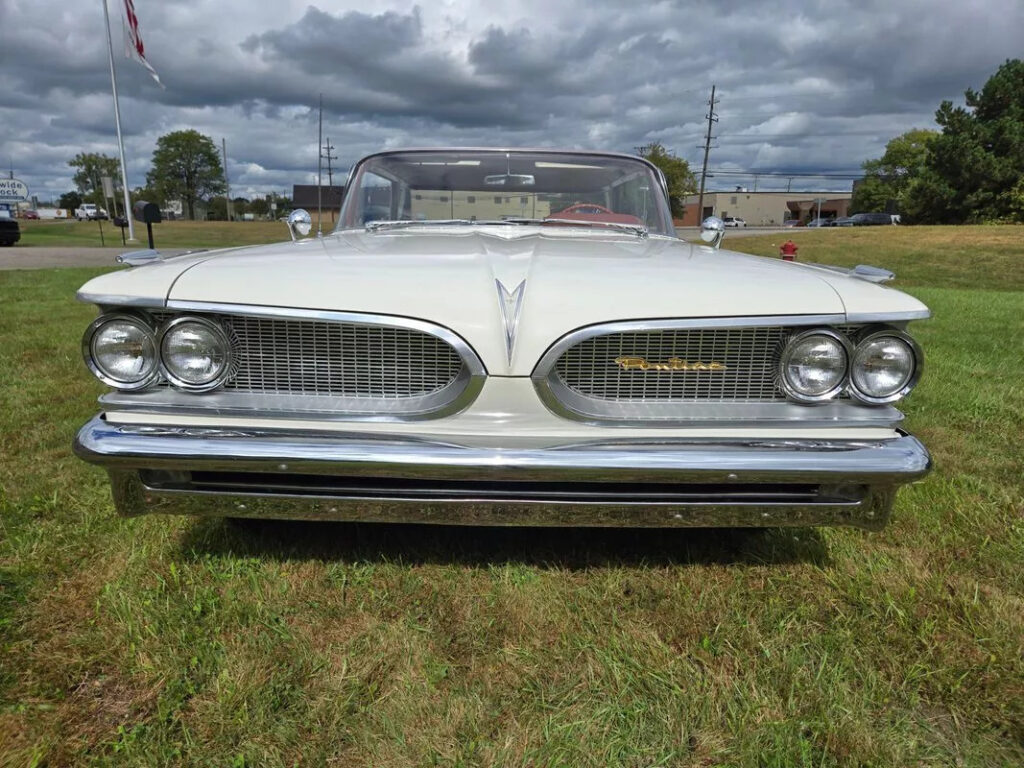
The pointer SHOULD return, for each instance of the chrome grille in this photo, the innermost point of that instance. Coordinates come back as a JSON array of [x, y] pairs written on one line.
[[311, 357], [284, 356], [750, 357]]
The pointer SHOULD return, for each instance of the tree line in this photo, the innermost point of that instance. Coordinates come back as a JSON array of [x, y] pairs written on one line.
[[970, 170], [185, 166]]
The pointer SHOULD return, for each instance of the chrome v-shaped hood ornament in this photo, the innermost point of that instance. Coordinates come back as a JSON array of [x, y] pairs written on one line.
[[510, 303]]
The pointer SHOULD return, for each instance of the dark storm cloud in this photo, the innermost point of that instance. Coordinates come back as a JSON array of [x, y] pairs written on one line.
[[810, 85]]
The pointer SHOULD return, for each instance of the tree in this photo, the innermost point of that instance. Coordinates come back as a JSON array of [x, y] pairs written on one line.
[[70, 201], [975, 167], [186, 165], [92, 167], [887, 179], [149, 194], [681, 181]]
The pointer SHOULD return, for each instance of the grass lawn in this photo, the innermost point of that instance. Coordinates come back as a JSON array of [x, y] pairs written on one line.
[[176, 641], [167, 234]]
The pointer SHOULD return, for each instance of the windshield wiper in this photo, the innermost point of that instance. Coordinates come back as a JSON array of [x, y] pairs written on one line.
[[637, 229]]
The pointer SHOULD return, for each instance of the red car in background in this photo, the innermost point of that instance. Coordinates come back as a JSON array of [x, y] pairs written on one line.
[[30, 214], [594, 212]]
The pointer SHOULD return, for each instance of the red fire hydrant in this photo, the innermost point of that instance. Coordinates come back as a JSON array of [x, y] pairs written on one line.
[[788, 251]]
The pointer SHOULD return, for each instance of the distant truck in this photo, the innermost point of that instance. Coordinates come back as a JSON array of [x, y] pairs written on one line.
[[89, 212]]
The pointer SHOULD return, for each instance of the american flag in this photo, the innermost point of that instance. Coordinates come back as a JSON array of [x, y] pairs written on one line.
[[133, 47]]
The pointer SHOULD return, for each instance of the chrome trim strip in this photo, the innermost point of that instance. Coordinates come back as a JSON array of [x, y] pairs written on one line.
[[115, 300], [879, 466], [139, 258], [888, 317], [320, 408]]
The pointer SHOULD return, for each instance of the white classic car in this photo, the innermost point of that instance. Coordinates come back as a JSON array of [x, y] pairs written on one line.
[[510, 337]]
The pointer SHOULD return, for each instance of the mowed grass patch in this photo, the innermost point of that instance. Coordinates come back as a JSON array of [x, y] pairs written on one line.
[[167, 234], [174, 641], [990, 257]]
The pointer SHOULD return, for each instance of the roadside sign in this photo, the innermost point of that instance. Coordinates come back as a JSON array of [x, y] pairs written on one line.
[[13, 191], [108, 187]]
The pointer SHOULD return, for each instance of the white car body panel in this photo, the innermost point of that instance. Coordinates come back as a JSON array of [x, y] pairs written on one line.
[[574, 277]]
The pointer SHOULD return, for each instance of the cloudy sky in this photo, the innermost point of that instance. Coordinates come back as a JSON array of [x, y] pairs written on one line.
[[805, 86]]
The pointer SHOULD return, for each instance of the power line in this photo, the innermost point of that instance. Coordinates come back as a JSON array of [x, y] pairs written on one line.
[[787, 174]]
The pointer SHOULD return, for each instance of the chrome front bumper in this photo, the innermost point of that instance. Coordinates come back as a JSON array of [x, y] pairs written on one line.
[[668, 482]]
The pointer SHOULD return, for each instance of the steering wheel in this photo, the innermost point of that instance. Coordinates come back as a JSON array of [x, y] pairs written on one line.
[[578, 208]]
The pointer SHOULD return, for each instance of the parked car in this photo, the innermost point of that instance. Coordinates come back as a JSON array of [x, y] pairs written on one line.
[[448, 365], [730, 221], [10, 232], [792, 223], [871, 219], [30, 214], [843, 221], [822, 222], [89, 212]]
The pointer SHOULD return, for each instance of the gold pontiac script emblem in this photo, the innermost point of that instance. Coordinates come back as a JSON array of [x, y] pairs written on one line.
[[672, 364]]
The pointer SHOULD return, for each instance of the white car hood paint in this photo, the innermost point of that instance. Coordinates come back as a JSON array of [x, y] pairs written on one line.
[[448, 276]]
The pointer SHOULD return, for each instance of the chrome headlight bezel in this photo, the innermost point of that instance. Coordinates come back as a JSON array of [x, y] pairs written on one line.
[[787, 387], [222, 336], [917, 354], [139, 320]]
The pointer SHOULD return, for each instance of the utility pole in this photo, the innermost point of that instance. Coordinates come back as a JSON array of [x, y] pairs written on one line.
[[328, 157], [227, 184], [320, 171], [712, 118]]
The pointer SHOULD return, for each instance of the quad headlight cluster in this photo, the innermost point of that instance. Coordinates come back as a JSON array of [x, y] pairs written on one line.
[[129, 352], [876, 367]]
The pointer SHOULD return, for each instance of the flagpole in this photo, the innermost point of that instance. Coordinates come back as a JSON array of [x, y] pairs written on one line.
[[117, 122], [319, 169]]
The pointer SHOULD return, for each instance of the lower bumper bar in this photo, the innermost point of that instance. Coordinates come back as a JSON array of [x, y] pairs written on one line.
[[667, 482]]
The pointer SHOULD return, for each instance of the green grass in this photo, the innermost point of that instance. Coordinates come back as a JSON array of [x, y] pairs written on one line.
[[175, 641], [167, 234]]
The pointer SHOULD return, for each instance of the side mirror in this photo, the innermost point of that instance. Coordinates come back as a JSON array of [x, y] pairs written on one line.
[[299, 223], [712, 230]]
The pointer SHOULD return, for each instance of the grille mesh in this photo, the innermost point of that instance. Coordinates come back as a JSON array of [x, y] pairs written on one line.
[[313, 357], [750, 357]]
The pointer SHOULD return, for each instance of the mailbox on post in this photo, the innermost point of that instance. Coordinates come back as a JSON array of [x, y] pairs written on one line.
[[148, 214]]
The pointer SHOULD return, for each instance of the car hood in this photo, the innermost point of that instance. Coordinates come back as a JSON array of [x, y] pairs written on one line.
[[461, 278]]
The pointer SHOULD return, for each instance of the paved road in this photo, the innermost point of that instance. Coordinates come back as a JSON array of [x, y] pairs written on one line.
[[46, 257]]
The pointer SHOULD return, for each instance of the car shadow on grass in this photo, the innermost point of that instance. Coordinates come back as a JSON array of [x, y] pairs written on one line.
[[571, 548]]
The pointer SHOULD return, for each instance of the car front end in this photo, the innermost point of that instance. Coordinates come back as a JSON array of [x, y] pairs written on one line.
[[511, 370]]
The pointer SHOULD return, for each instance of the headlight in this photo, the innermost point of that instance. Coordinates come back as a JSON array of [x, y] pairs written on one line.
[[121, 351], [195, 353], [886, 366], [814, 365]]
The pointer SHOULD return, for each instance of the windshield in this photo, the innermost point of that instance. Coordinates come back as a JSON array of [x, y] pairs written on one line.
[[495, 186]]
